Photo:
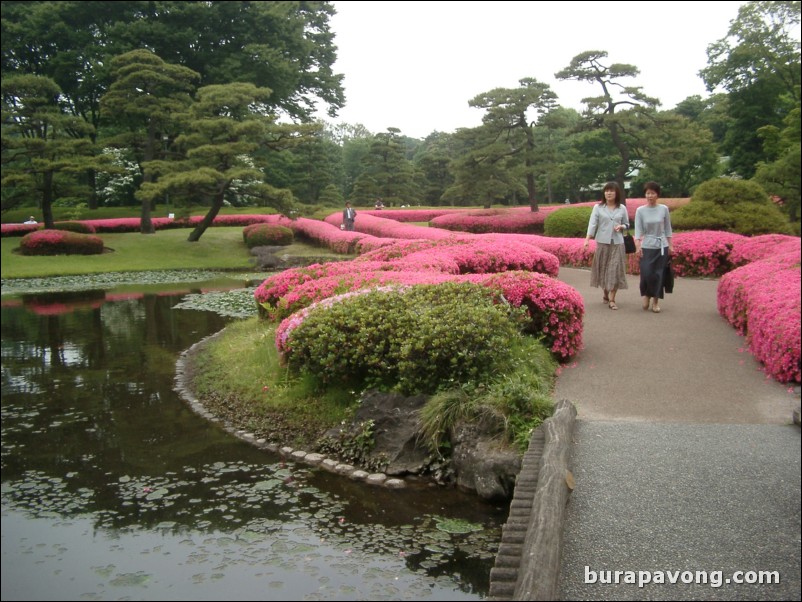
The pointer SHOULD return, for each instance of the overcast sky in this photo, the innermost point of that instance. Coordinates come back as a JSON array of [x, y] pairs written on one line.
[[415, 65]]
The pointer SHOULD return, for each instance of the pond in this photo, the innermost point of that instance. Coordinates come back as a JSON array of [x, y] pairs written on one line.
[[112, 488]]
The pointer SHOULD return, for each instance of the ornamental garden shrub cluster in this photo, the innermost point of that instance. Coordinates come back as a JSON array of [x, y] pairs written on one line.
[[75, 226], [260, 235], [569, 222], [413, 340], [697, 254], [739, 206], [60, 242]]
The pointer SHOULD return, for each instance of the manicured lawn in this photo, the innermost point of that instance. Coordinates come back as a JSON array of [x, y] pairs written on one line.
[[218, 248]]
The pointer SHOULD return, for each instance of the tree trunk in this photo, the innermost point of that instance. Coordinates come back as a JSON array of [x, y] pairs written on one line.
[[530, 176], [207, 220], [623, 166], [47, 199], [145, 223]]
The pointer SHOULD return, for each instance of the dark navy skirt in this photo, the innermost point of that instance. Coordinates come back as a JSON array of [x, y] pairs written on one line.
[[652, 266]]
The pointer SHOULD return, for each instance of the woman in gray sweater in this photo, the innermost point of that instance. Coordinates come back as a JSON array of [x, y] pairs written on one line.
[[653, 246]]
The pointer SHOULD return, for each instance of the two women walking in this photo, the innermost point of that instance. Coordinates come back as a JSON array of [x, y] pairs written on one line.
[[609, 222]]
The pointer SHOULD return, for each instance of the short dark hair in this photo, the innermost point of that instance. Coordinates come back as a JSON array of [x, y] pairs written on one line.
[[618, 194], [652, 186]]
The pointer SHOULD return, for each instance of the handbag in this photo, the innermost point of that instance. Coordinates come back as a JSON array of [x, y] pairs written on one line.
[[629, 243]]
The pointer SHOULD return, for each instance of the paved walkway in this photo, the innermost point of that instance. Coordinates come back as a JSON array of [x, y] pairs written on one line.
[[685, 457]]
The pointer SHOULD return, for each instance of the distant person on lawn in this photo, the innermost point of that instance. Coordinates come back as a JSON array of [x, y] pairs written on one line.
[[349, 215]]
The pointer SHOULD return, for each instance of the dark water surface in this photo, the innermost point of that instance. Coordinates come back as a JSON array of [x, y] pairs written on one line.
[[112, 488]]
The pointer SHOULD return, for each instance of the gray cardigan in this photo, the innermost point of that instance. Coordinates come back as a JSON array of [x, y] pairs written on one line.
[[602, 220]]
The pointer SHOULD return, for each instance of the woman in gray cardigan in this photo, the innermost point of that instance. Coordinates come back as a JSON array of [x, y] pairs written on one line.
[[653, 246], [608, 222]]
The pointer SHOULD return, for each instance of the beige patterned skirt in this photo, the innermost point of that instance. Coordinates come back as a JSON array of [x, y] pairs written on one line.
[[609, 267]]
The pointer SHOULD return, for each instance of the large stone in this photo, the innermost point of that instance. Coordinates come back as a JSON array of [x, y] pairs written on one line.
[[482, 463], [395, 426]]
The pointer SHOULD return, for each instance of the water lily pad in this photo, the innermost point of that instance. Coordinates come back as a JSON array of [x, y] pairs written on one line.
[[456, 525]]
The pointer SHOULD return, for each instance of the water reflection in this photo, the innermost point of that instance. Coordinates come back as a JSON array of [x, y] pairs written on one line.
[[113, 488]]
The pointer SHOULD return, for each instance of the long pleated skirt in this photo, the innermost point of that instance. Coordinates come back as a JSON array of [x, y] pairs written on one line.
[[652, 266], [609, 267]]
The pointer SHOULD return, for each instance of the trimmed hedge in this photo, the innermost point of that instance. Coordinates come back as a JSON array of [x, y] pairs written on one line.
[[415, 340], [79, 227], [569, 222], [261, 235], [60, 242]]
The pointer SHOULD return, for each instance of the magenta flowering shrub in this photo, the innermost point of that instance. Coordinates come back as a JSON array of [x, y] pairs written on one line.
[[290, 290], [518, 220], [263, 234], [312, 291], [399, 248], [411, 215], [703, 253], [482, 256], [60, 242], [285, 292], [555, 309], [18, 229], [749, 249], [366, 223], [762, 301], [569, 251]]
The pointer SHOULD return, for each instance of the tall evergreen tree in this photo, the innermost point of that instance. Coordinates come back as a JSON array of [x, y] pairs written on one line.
[[226, 127], [40, 140], [512, 114], [617, 104], [145, 99], [758, 64]]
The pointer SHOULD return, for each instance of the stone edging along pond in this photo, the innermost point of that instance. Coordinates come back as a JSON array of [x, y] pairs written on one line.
[[313, 459]]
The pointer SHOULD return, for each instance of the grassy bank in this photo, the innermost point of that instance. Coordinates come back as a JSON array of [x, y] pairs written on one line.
[[237, 376], [218, 249]]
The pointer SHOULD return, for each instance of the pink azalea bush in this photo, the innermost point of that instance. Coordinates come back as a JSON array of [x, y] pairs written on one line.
[[555, 309], [748, 249], [762, 301], [290, 290], [703, 253], [60, 242], [263, 234], [519, 220]]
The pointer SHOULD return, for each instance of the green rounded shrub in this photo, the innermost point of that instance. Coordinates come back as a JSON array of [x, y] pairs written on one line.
[[79, 227], [727, 192], [261, 235], [702, 216], [751, 217], [60, 242], [570, 222], [766, 219], [416, 340]]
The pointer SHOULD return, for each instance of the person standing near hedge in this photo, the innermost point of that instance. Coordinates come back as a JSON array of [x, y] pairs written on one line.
[[653, 245], [608, 222], [349, 215]]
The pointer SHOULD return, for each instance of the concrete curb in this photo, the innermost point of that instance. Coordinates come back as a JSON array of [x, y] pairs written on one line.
[[528, 561]]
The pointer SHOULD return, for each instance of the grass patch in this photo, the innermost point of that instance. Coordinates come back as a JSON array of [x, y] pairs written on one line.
[[519, 399], [220, 248], [238, 377]]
